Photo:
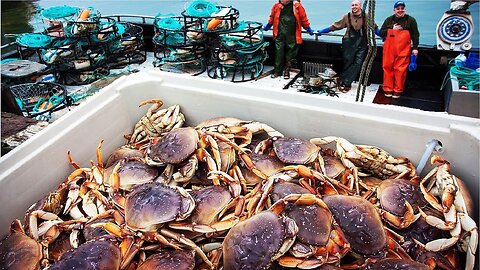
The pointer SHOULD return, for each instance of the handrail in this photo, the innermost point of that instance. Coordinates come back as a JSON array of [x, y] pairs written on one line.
[[119, 17]]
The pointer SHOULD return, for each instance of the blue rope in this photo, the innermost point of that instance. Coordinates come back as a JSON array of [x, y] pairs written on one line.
[[168, 24], [201, 8], [60, 12], [466, 77], [34, 40]]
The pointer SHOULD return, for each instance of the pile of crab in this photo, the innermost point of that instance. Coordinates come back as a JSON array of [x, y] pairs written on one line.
[[234, 194]]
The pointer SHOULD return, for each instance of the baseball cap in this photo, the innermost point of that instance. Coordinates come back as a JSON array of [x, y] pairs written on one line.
[[399, 3]]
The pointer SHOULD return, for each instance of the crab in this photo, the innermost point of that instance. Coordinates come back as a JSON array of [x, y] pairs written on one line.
[[396, 264], [319, 240], [360, 223], [20, 251], [258, 241], [371, 159], [147, 208], [234, 128], [292, 151], [129, 172], [269, 165], [103, 253], [456, 205], [211, 204], [184, 147], [156, 121], [398, 198], [124, 151], [166, 259]]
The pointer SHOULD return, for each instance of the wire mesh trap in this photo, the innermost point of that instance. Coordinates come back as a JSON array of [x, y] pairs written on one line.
[[206, 17], [39, 98], [238, 55]]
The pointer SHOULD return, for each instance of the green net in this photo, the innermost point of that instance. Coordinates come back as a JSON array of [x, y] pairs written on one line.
[[60, 12]]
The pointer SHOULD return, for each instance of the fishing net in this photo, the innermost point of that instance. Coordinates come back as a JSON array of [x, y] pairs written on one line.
[[40, 98]]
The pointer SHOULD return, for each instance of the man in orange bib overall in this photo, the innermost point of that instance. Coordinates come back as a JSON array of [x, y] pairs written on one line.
[[400, 33]]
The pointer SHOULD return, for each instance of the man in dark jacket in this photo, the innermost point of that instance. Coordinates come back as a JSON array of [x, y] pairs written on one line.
[[287, 18], [354, 43], [401, 38]]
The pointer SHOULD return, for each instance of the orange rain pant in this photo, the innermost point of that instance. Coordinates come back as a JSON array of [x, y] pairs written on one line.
[[396, 57]]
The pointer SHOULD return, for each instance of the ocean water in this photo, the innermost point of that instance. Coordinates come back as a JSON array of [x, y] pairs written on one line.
[[18, 17]]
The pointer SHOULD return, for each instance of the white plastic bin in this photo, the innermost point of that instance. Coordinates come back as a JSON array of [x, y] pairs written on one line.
[[31, 170]]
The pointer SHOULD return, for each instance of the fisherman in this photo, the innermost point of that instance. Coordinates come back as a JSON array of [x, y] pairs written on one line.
[[354, 44], [400, 34], [287, 18]]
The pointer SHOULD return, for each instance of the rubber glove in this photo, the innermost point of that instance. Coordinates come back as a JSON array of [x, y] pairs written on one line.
[[267, 27], [309, 30], [413, 63], [323, 31]]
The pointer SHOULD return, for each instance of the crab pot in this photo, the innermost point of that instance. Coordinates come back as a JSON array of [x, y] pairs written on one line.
[[72, 77], [36, 167], [30, 45], [83, 27], [222, 19], [56, 18], [175, 44], [128, 49], [60, 51], [238, 56]]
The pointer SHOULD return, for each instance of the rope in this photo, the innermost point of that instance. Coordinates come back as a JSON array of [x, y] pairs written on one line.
[[168, 24], [371, 53], [466, 77], [201, 8], [34, 40], [59, 12]]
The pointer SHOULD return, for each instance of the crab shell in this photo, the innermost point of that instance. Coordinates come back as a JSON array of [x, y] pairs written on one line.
[[256, 242], [98, 254], [151, 205], [174, 147], [333, 166], [360, 223], [393, 193], [167, 259], [283, 188], [269, 165], [294, 150], [121, 153], [19, 251], [210, 201], [397, 264], [133, 172]]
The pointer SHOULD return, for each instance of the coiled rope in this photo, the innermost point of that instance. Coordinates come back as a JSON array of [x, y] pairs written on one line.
[[371, 53], [466, 77], [201, 8], [60, 12]]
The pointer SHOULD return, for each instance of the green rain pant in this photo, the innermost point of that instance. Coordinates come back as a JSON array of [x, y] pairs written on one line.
[[286, 51], [354, 49]]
